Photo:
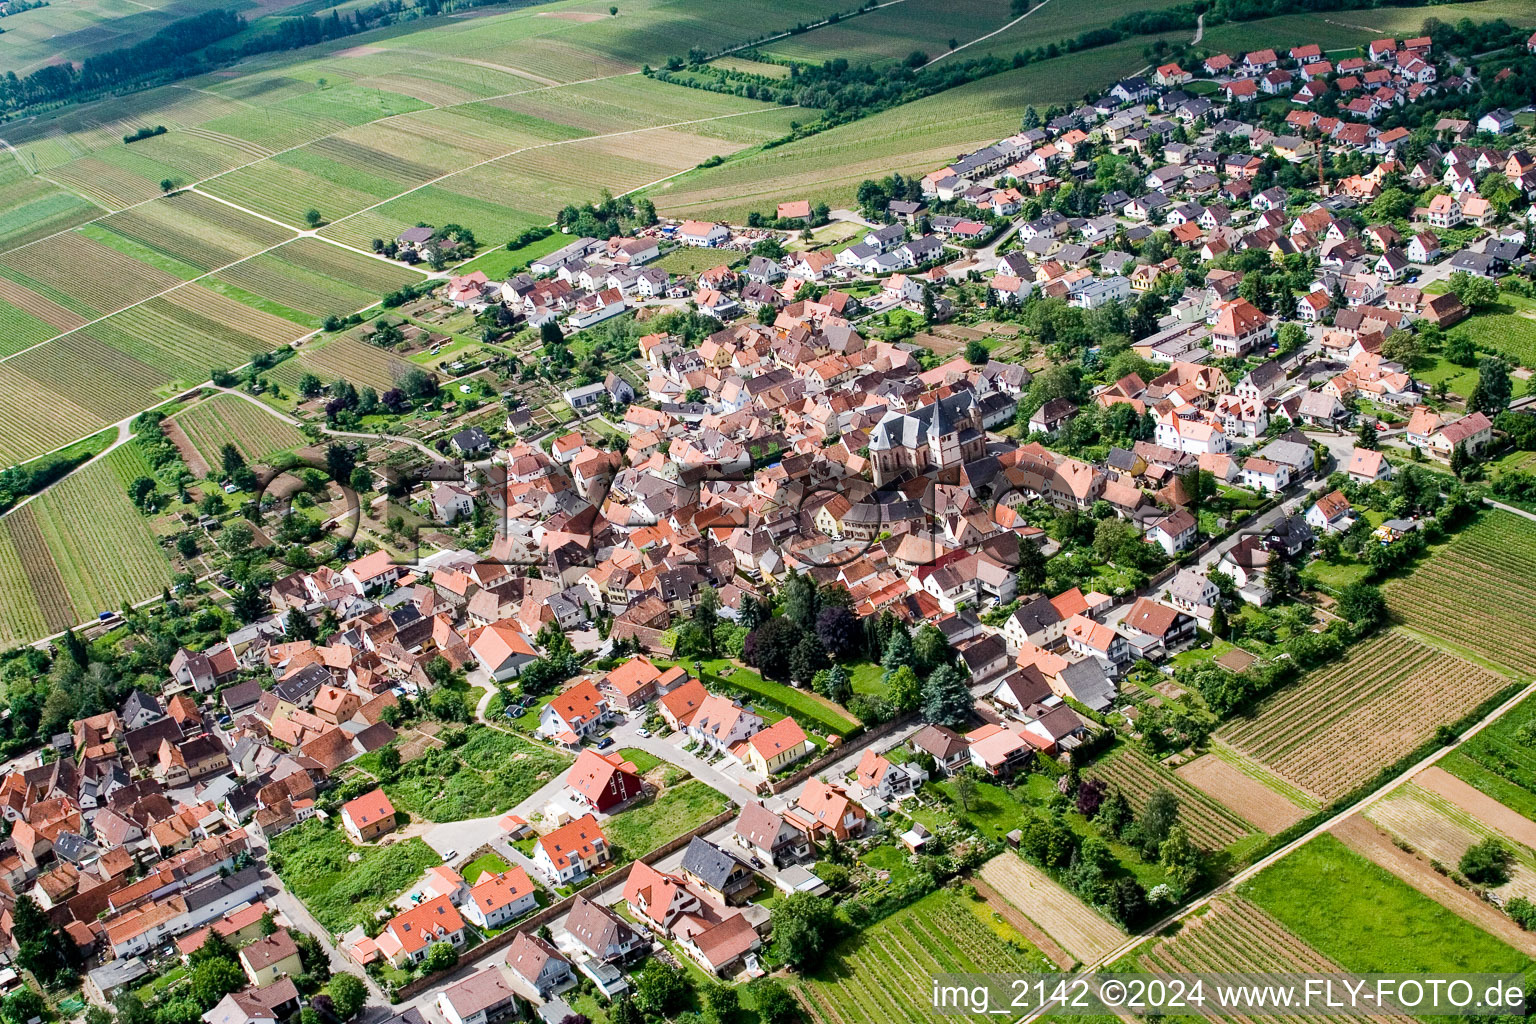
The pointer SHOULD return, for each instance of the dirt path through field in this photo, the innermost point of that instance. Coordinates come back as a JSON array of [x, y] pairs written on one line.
[[1241, 794], [1478, 804], [189, 454], [1370, 842], [1024, 926], [1079, 928]]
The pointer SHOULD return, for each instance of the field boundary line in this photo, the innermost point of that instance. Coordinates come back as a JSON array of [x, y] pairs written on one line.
[[1358, 807], [989, 35]]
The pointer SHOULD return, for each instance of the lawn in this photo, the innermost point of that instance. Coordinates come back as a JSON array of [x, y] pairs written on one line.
[[892, 859], [643, 760], [680, 809], [313, 860], [485, 864], [867, 678], [690, 260], [1334, 576], [808, 709], [1368, 920], [500, 264]]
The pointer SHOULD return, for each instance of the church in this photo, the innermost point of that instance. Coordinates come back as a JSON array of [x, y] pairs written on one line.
[[941, 435]]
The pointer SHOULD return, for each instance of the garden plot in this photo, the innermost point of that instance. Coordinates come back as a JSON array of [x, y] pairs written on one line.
[[1378, 703], [1442, 831]]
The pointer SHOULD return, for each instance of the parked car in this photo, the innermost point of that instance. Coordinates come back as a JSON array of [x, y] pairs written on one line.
[[605, 743], [643, 733]]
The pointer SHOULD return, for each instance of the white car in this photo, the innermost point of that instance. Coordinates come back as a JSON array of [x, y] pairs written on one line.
[[464, 389], [643, 733]]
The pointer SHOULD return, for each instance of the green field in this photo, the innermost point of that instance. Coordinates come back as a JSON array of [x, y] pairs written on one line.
[[913, 139], [891, 33], [1501, 760], [1368, 920], [678, 809], [884, 972], [313, 860], [1507, 327]]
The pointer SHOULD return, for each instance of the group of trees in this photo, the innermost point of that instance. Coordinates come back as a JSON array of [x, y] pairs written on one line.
[[607, 217]]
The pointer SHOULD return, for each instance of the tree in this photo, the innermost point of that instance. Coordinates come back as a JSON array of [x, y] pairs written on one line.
[[231, 460], [724, 1003], [1158, 818], [1492, 393], [769, 646], [977, 353], [1090, 796], [1368, 438], [905, 690], [40, 947], [965, 786], [1219, 627], [312, 218], [22, 1006], [311, 386], [661, 989], [312, 955], [706, 612], [834, 684], [931, 648], [1128, 902], [775, 1004], [624, 1011], [441, 956], [348, 994], [1181, 859], [213, 979], [805, 927], [339, 462], [389, 761], [798, 597], [1032, 567], [838, 629], [167, 185], [1362, 605], [807, 659], [1487, 862], [140, 491], [1473, 291], [214, 947], [947, 698]]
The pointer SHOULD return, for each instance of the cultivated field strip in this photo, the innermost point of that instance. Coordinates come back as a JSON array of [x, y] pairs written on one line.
[[1238, 790], [1079, 929], [1235, 936], [226, 419], [1442, 831], [39, 308], [357, 361], [1378, 703], [104, 549], [98, 276], [1210, 825], [197, 230], [22, 618], [1476, 593], [885, 973]]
